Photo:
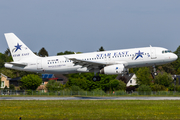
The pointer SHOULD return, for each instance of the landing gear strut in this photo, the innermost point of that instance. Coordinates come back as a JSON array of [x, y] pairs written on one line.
[[96, 78], [154, 71]]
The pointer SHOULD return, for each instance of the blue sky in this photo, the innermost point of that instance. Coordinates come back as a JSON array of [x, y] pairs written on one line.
[[86, 25]]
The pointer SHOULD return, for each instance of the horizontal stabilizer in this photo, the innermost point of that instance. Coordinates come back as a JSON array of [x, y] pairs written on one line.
[[18, 64]]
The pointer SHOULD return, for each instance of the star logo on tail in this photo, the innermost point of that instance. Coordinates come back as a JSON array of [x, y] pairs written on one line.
[[17, 47], [139, 54]]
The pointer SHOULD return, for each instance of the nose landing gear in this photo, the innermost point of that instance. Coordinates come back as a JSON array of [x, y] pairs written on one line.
[[154, 73]]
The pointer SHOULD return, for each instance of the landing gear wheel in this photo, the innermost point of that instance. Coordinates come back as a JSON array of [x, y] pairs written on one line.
[[98, 78], [94, 78], [155, 73]]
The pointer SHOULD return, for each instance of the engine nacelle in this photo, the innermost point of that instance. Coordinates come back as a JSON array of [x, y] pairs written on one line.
[[113, 69]]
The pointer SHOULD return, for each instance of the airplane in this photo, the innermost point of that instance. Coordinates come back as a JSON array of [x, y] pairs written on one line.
[[105, 62]]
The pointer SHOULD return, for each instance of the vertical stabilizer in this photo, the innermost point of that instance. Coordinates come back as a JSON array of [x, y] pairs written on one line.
[[18, 49]]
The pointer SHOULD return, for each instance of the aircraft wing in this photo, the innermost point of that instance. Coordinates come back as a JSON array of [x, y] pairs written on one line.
[[89, 64], [94, 64]]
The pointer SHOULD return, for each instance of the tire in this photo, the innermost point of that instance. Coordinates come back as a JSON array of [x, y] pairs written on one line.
[[94, 78], [98, 78]]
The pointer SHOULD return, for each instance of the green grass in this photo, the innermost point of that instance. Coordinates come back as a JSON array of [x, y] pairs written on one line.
[[89, 109]]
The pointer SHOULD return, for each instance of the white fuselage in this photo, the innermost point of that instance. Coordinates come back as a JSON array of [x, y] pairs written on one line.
[[130, 58]]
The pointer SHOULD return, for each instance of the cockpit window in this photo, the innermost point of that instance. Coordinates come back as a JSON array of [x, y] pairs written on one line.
[[166, 51]]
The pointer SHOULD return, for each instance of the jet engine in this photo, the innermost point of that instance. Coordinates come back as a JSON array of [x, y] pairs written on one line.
[[114, 69]]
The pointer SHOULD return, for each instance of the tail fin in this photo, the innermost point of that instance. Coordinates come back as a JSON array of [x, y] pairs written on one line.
[[18, 49]]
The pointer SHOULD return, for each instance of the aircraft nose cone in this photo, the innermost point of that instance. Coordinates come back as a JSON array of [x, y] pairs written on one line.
[[175, 56]]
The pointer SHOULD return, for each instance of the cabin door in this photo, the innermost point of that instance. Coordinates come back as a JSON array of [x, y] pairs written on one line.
[[153, 53], [39, 64]]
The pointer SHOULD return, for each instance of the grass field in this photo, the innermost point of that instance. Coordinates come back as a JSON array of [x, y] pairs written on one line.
[[89, 109]]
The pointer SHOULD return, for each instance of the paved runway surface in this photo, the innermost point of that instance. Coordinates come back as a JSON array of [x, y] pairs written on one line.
[[89, 98]]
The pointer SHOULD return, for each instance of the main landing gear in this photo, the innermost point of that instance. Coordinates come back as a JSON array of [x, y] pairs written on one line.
[[96, 78]]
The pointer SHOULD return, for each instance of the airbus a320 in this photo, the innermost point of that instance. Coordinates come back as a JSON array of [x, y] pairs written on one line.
[[106, 62]]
